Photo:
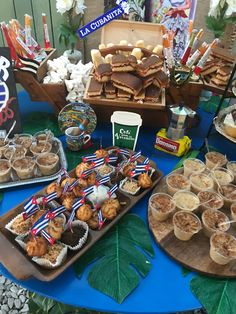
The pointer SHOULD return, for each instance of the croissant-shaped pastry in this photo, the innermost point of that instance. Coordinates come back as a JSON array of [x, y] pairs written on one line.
[[101, 153], [84, 213], [110, 208], [144, 181], [36, 246], [83, 166], [54, 187]]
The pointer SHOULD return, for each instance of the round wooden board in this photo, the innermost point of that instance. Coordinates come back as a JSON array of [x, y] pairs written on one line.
[[192, 254]]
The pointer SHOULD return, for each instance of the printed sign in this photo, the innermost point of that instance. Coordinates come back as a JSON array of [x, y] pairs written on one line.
[[9, 111], [124, 135]]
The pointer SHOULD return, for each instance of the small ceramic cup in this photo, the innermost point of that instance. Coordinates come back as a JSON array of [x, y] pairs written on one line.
[[75, 139]]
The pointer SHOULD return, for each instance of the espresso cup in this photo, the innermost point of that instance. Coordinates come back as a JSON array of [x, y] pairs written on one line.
[[75, 139]]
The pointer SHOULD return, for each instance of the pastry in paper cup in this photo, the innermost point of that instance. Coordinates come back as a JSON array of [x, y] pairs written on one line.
[[24, 167], [130, 186], [5, 171], [186, 200], [228, 192], [212, 219], [19, 226], [193, 165], [40, 148], [215, 159], [201, 182], [231, 165], [176, 182], [162, 206], [72, 240], [210, 199], [12, 152], [186, 224], [48, 163], [222, 176], [222, 248]]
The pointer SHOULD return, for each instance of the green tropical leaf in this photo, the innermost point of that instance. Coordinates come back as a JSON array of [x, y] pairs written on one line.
[[1, 197], [119, 260], [185, 271], [216, 295], [40, 305], [190, 154]]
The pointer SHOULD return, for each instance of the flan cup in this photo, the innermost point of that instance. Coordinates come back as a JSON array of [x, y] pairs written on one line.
[[186, 224], [201, 182], [24, 139], [215, 159], [231, 166], [176, 182], [222, 248], [5, 171], [161, 205], [211, 220], [193, 165], [48, 163], [12, 153], [222, 176], [24, 167], [186, 200], [40, 148], [44, 135], [228, 193], [210, 199], [233, 214]]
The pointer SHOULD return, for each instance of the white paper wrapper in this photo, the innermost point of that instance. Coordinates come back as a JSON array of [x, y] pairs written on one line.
[[122, 182], [9, 227], [99, 195], [83, 239]]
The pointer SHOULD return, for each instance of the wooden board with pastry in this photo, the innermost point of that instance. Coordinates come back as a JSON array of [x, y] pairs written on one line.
[[49, 231]]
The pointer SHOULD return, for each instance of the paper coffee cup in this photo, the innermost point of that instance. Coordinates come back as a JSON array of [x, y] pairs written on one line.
[[125, 128]]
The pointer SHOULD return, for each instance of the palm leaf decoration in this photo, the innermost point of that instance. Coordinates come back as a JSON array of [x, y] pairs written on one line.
[[119, 260]]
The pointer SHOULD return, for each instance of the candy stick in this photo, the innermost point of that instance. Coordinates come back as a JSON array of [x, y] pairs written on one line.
[[190, 27], [46, 38], [198, 68], [28, 32], [196, 41], [188, 49], [167, 51], [198, 53]]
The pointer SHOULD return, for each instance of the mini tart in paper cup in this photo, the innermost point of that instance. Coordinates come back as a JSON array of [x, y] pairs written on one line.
[[215, 158], [193, 165], [5, 171], [105, 170], [161, 205], [228, 192], [176, 182], [19, 226], [54, 258], [222, 248], [210, 199], [130, 186], [231, 166], [211, 220], [222, 175], [186, 200], [201, 182], [186, 224], [76, 239]]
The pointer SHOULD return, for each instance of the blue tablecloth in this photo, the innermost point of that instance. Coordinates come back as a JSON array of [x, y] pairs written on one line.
[[165, 289]]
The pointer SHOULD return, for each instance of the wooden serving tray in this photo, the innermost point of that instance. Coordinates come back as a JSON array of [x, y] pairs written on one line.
[[192, 254], [14, 258], [160, 105]]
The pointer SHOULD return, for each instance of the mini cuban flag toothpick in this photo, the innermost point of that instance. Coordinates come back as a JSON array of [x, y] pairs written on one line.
[[140, 168], [135, 156], [65, 172], [75, 206], [103, 180], [73, 185], [89, 158], [123, 152], [112, 190], [100, 219], [86, 173], [30, 208], [66, 187], [97, 162], [87, 191], [146, 161], [47, 236], [71, 218], [50, 197], [109, 160]]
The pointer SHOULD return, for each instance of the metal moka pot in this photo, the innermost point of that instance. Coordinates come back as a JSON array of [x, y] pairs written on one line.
[[179, 116]]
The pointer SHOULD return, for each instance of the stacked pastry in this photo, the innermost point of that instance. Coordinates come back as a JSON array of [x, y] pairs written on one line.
[[128, 77], [218, 68]]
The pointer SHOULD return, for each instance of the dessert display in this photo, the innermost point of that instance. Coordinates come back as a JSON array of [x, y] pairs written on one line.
[[231, 166], [214, 220], [5, 170], [161, 205], [201, 182], [228, 192], [193, 165], [223, 248], [210, 199], [186, 200], [186, 224], [215, 159], [229, 124], [176, 182], [31, 158], [222, 175]]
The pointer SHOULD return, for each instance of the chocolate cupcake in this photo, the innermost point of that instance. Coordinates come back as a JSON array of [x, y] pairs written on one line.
[[75, 237]]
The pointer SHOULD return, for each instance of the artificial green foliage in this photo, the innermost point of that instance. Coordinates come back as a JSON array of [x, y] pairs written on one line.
[[211, 105], [216, 295], [68, 35], [38, 121], [190, 154], [118, 258], [185, 271], [217, 25]]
